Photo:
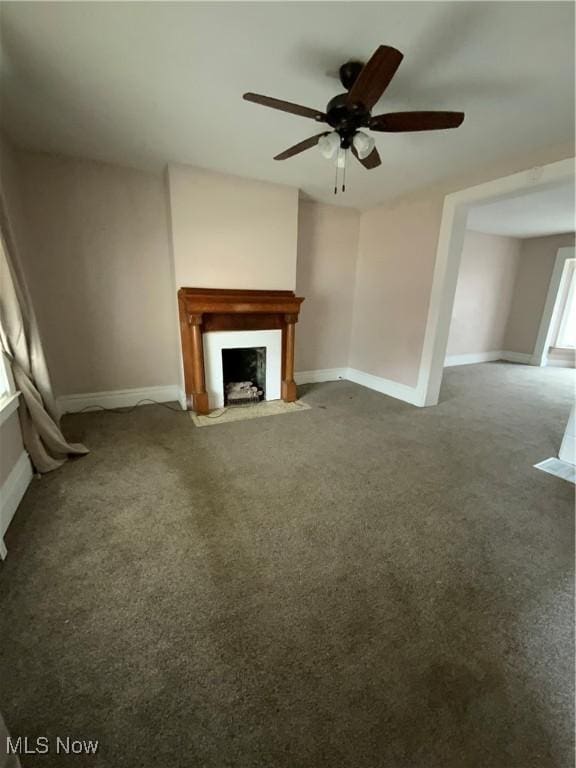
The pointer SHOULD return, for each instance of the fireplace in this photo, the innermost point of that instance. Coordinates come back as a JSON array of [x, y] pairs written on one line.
[[219, 346], [244, 375], [213, 321]]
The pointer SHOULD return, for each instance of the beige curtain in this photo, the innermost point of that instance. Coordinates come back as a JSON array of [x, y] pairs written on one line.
[[20, 342]]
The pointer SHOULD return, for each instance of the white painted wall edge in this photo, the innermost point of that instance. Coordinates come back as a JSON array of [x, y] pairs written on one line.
[[11, 493], [567, 450], [119, 398]]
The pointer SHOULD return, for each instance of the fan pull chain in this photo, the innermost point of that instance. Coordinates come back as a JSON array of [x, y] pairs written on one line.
[[336, 177], [344, 172]]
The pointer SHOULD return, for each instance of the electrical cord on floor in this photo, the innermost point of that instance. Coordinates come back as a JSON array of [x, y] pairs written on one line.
[[216, 415], [129, 409]]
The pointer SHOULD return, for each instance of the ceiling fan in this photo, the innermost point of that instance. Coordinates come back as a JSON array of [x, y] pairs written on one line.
[[348, 112]]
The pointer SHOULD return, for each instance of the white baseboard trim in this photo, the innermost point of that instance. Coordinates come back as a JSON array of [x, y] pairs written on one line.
[[120, 398], [472, 357], [561, 358], [377, 383], [385, 386], [126, 398], [517, 357], [323, 374], [11, 492], [559, 364], [488, 357]]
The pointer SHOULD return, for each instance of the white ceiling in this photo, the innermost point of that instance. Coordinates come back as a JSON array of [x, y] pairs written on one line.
[[148, 83], [543, 212]]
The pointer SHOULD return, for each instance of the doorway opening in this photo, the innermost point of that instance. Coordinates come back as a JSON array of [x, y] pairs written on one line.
[[449, 251]]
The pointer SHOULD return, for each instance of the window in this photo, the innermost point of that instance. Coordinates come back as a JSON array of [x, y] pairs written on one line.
[[6, 381], [566, 336], [7, 387], [8, 393]]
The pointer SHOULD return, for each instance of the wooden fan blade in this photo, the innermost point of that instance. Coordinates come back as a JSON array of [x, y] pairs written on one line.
[[297, 148], [375, 77], [372, 161], [285, 106], [397, 122]]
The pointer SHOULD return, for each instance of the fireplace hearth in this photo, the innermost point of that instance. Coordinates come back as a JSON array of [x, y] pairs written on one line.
[[207, 312]]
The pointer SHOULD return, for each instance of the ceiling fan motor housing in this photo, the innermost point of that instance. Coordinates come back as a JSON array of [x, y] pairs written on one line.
[[346, 119]]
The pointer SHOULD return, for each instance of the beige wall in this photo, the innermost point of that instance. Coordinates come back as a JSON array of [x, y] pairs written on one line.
[[99, 266], [229, 232], [483, 293], [395, 268], [99, 270], [537, 257], [327, 248], [394, 273]]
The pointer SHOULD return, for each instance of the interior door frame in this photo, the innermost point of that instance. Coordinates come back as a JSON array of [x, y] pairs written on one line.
[[551, 307], [449, 253]]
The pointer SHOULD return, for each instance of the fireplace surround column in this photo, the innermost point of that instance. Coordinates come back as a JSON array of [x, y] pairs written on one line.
[[199, 394], [289, 394]]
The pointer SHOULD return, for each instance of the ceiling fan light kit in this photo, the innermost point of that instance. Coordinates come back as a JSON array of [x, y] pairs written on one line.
[[348, 113], [329, 145], [363, 144]]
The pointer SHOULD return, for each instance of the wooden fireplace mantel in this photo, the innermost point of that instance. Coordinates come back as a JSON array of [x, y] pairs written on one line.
[[215, 309]]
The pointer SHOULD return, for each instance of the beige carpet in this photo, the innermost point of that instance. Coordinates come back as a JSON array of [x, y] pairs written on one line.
[[244, 412], [364, 584]]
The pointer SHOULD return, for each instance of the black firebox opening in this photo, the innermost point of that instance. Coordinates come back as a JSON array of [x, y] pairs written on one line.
[[244, 375]]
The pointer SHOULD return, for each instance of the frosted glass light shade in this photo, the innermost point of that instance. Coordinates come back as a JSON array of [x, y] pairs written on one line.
[[328, 145], [363, 144]]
